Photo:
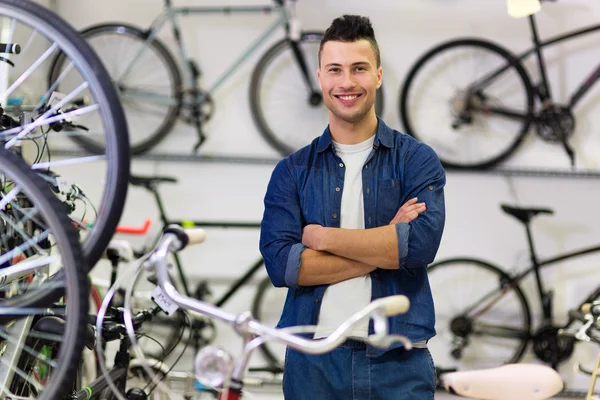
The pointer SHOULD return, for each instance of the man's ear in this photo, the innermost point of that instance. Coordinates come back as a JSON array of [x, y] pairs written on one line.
[[319, 78], [379, 77]]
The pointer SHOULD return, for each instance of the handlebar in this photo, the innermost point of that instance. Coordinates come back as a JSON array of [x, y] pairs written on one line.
[[255, 333], [589, 316]]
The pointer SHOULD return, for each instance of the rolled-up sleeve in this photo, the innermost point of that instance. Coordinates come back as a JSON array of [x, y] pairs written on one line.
[[281, 228], [419, 240]]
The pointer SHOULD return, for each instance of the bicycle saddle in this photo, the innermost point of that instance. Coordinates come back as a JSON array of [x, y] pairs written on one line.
[[525, 214], [52, 325], [509, 382], [150, 180]]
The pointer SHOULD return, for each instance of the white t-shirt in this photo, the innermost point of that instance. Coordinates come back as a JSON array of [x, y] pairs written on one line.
[[343, 299]]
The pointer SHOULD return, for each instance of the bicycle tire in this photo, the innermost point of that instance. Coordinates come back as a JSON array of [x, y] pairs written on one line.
[[265, 286], [456, 289], [56, 30], [448, 146], [51, 211], [273, 135], [167, 63]]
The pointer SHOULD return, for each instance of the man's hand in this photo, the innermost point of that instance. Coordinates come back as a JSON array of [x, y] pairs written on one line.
[[409, 211], [313, 237]]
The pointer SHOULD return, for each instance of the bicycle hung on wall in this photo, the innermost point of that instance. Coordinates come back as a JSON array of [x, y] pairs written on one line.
[[483, 317], [285, 99], [474, 102]]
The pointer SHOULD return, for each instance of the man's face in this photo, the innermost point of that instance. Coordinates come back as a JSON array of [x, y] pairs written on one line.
[[349, 78]]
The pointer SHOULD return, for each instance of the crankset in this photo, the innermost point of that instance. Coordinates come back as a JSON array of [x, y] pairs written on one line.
[[556, 124], [551, 347]]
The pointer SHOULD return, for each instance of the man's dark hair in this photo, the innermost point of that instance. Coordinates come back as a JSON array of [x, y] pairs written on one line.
[[351, 28]]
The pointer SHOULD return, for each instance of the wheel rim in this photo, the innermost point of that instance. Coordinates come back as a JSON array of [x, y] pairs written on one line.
[[149, 92], [469, 337], [440, 109], [96, 184], [38, 236]]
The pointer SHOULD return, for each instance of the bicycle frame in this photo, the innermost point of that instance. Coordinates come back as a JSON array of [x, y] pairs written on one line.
[[239, 282], [538, 45], [169, 16], [545, 297], [545, 93], [538, 264]]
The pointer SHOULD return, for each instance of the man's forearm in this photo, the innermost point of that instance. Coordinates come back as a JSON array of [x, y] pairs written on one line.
[[375, 246], [320, 268]]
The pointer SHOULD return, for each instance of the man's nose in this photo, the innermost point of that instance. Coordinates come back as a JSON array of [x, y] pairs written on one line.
[[348, 82]]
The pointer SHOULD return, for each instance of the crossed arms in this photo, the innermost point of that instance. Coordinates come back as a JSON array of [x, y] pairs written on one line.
[[299, 255]]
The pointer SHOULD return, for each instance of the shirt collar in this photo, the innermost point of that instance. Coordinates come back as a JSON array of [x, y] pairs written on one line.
[[383, 137]]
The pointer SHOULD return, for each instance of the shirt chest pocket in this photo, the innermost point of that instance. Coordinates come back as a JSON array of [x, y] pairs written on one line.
[[389, 195]]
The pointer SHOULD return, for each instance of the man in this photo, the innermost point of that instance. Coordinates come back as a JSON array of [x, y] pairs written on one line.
[[356, 215]]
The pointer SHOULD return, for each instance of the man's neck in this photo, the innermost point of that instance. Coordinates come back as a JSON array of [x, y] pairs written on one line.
[[353, 133]]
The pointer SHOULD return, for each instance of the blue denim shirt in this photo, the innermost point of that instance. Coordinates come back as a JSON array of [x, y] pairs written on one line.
[[302, 191]]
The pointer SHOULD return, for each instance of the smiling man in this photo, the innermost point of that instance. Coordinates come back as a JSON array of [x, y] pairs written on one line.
[[355, 216]]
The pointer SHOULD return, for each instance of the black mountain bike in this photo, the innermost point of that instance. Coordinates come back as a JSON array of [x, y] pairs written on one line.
[[483, 318], [473, 101]]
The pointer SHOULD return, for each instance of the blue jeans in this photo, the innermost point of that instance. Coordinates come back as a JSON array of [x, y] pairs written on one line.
[[348, 374]]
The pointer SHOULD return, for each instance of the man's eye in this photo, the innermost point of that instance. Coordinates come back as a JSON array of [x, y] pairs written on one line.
[[334, 70]]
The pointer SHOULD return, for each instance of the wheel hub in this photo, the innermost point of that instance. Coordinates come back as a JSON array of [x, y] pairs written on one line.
[[462, 104], [552, 121], [461, 326], [315, 99]]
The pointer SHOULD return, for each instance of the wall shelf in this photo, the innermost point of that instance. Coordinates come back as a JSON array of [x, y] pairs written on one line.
[[250, 160]]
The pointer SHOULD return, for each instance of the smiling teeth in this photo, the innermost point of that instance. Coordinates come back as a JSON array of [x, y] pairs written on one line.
[[348, 97]]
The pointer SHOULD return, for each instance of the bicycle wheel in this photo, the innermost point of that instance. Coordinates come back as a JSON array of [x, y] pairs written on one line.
[[266, 307], [43, 301], [482, 318], [470, 100], [36, 119], [146, 76], [287, 113]]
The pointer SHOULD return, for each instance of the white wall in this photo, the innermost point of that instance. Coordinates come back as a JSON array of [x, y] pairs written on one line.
[[405, 29]]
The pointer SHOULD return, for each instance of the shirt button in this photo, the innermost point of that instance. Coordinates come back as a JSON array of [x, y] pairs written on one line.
[[337, 189], [368, 190], [334, 216], [341, 165], [316, 300], [430, 188]]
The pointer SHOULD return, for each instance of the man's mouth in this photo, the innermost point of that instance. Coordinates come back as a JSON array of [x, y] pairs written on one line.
[[348, 98]]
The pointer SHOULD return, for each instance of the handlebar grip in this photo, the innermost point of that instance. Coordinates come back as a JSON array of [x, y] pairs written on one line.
[[10, 48], [186, 236], [195, 235], [591, 308], [393, 305]]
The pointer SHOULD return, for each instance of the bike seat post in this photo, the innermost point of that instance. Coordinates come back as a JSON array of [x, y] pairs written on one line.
[[161, 209], [545, 298]]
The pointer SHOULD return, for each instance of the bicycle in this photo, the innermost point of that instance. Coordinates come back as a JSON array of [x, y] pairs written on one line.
[[43, 301], [485, 320], [35, 118], [487, 113], [268, 300], [285, 99], [526, 381], [216, 368]]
